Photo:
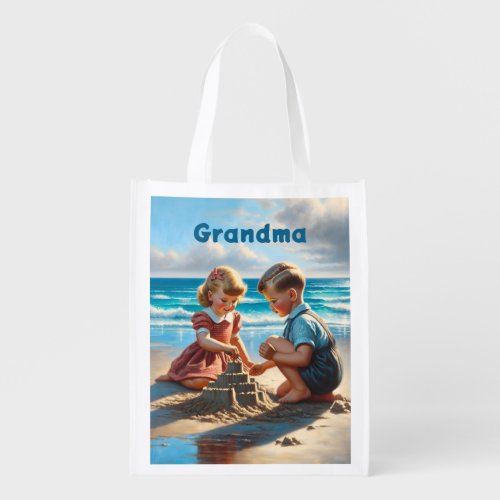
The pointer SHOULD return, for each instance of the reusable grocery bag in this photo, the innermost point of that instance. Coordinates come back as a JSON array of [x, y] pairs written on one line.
[[248, 315]]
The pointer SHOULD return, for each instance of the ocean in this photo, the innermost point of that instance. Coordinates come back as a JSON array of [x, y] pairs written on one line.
[[173, 302]]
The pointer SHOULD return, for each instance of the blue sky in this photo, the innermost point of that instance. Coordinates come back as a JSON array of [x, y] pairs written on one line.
[[176, 253]]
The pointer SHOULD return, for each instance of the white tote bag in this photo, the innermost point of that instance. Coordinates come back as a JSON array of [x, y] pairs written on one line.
[[249, 337]]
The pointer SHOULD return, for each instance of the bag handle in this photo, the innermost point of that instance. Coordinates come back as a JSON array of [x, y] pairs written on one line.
[[200, 164]]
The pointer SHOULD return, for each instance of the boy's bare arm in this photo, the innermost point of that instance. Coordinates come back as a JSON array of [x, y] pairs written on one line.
[[268, 364], [260, 368]]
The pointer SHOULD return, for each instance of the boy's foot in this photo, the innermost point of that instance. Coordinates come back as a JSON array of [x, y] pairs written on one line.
[[329, 396], [163, 378], [339, 397], [294, 396]]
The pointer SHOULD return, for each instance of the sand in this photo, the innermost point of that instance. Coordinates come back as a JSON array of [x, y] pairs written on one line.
[[182, 434]]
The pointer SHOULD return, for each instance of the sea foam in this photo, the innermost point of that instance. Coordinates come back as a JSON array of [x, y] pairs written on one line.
[[177, 312]]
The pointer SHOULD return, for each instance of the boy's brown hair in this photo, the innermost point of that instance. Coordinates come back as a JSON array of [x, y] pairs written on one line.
[[283, 276]]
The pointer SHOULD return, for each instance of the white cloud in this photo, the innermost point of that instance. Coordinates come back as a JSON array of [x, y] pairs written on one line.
[[200, 258], [327, 226], [268, 204]]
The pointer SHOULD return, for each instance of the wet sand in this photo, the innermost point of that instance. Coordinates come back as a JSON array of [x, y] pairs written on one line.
[[180, 436]]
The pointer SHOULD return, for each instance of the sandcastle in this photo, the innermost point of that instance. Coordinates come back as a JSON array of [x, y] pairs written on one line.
[[234, 386], [233, 394]]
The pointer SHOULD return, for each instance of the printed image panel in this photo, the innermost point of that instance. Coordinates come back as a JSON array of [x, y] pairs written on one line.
[[250, 331]]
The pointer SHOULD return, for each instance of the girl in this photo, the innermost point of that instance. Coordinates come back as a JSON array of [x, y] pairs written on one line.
[[217, 327]]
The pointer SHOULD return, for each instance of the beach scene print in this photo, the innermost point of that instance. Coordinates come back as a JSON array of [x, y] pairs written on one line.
[[209, 321]]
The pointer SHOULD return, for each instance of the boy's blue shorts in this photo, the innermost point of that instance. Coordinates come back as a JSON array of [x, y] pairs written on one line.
[[324, 373]]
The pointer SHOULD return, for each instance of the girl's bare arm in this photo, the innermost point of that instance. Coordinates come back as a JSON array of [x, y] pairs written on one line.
[[241, 348], [209, 344]]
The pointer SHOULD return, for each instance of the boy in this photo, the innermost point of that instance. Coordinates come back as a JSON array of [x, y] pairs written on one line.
[[306, 354]]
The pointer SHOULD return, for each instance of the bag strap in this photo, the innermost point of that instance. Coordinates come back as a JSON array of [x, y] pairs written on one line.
[[199, 164]]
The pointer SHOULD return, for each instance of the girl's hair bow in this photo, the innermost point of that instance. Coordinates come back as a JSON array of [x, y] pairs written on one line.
[[216, 274]]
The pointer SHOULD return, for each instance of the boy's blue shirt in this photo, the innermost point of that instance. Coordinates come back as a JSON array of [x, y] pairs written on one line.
[[305, 329]]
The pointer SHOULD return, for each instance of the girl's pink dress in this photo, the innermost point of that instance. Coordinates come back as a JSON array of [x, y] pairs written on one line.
[[195, 361]]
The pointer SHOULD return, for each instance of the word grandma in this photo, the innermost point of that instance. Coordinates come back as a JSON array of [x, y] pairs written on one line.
[[202, 233]]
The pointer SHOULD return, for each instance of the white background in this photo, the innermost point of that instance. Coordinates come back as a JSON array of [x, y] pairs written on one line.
[[404, 94]]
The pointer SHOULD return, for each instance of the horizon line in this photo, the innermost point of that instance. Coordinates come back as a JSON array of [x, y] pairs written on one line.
[[243, 277]]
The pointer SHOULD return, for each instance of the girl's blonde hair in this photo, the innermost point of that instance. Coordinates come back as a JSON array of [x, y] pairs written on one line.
[[225, 277]]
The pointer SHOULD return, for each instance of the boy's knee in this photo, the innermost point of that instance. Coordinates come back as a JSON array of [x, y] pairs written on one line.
[[272, 338], [281, 344]]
